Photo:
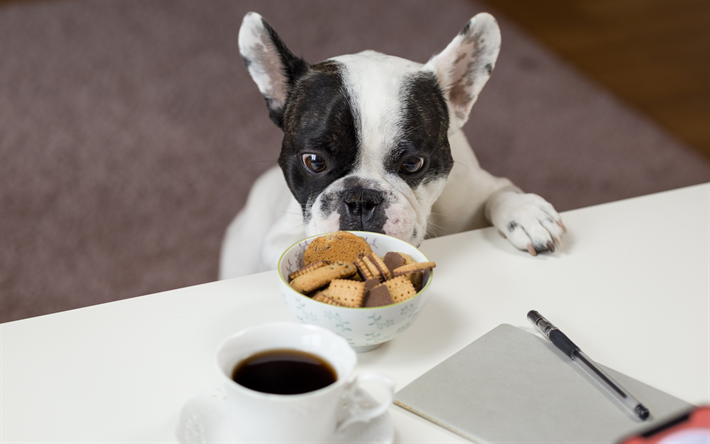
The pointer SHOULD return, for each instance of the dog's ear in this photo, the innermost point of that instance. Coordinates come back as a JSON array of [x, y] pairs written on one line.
[[463, 68], [271, 64]]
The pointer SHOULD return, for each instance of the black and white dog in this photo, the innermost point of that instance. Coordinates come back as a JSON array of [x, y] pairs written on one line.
[[374, 143]]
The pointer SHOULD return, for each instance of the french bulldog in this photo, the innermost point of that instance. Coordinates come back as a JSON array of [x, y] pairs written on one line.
[[374, 143]]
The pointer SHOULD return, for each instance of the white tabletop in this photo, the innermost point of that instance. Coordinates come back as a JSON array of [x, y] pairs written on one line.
[[630, 286]]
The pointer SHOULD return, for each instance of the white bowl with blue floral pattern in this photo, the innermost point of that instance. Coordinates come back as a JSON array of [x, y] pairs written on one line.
[[364, 328]]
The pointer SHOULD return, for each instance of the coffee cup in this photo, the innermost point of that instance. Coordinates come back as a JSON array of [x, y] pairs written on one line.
[[265, 406]]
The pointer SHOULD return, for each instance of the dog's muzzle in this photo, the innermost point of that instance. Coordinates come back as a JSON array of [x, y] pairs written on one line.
[[362, 209]]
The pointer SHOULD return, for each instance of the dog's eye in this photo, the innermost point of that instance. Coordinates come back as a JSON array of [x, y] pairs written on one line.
[[412, 165], [313, 162]]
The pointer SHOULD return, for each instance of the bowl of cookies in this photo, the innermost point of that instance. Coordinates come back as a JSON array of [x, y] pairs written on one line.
[[366, 287]]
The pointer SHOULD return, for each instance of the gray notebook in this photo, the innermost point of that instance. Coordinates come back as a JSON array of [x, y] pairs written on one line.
[[513, 387]]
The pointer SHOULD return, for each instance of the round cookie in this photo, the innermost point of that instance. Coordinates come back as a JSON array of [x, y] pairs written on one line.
[[339, 246]]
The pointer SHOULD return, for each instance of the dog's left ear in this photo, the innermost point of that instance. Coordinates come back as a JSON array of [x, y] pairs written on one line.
[[271, 64], [463, 68]]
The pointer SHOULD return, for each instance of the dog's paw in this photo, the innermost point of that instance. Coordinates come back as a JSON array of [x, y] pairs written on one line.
[[528, 221]]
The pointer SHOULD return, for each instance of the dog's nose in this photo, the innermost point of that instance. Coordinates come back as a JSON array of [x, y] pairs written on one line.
[[361, 210]]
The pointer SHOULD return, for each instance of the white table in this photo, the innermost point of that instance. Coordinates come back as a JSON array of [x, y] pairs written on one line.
[[630, 287]]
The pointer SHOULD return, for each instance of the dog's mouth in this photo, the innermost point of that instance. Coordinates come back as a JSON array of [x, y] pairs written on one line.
[[362, 210]]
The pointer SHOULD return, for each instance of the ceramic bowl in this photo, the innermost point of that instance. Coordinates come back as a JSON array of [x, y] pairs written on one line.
[[364, 328]]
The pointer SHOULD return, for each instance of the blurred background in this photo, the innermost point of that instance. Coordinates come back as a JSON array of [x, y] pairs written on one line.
[[652, 54], [130, 132]]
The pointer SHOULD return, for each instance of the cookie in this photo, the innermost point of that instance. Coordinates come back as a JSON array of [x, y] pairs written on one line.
[[362, 270], [340, 246], [322, 276], [322, 291], [373, 268], [304, 270], [393, 260], [381, 267], [400, 289], [417, 277], [371, 283], [413, 268], [346, 292], [378, 296], [322, 296]]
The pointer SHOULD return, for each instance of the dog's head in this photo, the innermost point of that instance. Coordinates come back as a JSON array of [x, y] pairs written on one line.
[[366, 135]]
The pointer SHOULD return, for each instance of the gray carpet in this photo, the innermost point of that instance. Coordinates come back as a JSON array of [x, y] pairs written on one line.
[[130, 133]]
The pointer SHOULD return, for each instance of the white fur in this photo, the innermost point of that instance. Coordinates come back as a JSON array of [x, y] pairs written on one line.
[[255, 45], [373, 81], [471, 197], [452, 66]]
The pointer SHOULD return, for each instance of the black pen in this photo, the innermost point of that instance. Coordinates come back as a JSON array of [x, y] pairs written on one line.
[[569, 348]]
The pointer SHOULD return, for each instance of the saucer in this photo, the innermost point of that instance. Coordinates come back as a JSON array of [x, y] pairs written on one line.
[[203, 419]]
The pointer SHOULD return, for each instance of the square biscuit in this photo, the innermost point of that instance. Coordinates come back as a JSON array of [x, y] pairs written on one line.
[[381, 266], [393, 260], [322, 276], [322, 296], [413, 268], [347, 292], [378, 296], [400, 289], [306, 269], [369, 262], [363, 269], [417, 277]]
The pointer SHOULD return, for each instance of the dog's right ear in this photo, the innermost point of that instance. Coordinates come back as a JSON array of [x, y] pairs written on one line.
[[271, 64], [463, 68]]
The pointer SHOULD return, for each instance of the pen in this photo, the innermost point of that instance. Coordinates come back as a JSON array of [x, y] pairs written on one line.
[[562, 342]]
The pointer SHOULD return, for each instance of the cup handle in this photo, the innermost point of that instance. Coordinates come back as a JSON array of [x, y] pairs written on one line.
[[358, 401]]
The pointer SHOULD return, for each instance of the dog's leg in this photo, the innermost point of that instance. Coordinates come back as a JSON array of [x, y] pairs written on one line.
[[269, 223], [474, 198], [461, 206], [472, 195], [528, 221]]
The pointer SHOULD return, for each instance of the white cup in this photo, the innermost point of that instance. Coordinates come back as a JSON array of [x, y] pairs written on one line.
[[316, 416]]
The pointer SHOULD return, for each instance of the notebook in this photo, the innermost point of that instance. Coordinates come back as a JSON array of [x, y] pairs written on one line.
[[514, 387]]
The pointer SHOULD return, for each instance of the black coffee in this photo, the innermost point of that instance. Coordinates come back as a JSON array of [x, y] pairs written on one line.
[[284, 372]]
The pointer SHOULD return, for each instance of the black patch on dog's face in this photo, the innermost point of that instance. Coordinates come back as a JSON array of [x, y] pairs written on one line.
[[424, 132], [293, 68], [318, 119]]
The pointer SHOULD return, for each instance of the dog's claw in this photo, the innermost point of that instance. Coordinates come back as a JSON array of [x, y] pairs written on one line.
[[528, 221], [564, 229]]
